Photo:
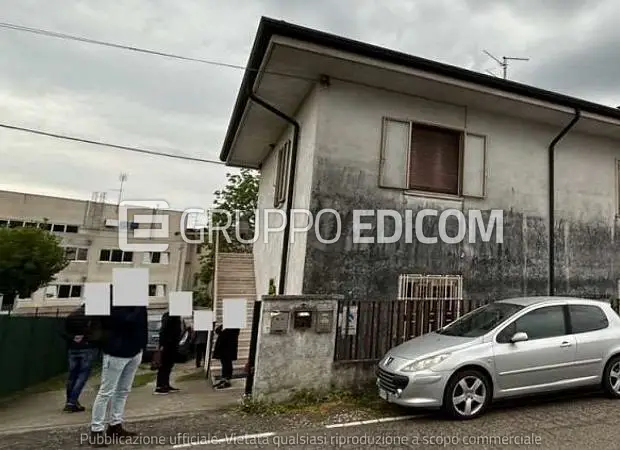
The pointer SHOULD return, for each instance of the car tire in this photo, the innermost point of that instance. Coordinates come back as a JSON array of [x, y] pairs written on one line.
[[467, 387], [611, 377]]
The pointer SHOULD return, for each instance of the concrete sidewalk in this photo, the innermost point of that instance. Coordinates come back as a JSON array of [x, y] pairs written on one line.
[[44, 410]]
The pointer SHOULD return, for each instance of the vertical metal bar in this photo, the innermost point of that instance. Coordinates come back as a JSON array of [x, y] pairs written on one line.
[[249, 381], [391, 325], [373, 341], [346, 333], [398, 320], [337, 346]]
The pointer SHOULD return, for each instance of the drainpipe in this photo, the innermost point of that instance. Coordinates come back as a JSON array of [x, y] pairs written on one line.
[[567, 128], [291, 184]]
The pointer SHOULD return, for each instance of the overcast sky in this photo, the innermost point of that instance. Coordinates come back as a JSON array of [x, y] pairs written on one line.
[[169, 105]]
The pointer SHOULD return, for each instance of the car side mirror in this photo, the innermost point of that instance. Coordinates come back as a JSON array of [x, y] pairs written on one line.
[[519, 337]]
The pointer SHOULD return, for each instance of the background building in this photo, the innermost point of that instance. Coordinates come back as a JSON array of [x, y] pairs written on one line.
[[89, 231]]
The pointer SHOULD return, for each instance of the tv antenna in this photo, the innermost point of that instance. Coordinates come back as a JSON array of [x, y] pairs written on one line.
[[122, 178], [503, 63]]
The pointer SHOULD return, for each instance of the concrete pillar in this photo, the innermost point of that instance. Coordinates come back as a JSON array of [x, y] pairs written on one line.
[[295, 345]]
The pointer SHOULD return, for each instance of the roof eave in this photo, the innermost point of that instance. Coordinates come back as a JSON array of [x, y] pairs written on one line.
[[269, 27]]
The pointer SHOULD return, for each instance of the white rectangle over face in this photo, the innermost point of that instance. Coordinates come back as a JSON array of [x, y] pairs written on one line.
[[180, 304], [235, 313], [130, 287], [97, 298], [203, 320]]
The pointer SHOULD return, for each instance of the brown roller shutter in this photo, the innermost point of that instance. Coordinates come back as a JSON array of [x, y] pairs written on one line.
[[434, 162]]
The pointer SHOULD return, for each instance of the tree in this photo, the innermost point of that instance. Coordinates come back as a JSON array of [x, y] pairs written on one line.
[[29, 259], [239, 198]]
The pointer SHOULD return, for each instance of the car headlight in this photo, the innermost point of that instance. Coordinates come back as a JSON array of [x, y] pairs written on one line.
[[425, 363]]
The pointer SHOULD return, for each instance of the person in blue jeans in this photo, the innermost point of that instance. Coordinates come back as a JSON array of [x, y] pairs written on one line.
[[126, 334], [82, 351]]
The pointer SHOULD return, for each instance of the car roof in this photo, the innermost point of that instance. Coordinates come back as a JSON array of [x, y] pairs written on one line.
[[529, 301]]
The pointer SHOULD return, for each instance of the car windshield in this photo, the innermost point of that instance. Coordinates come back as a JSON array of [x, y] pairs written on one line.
[[481, 320]]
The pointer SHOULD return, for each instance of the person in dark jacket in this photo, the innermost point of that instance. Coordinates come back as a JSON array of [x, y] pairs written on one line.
[[169, 336], [226, 347], [82, 351], [200, 342], [125, 338]]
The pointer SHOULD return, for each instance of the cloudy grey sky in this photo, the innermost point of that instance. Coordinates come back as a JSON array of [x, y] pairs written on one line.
[[176, 106]]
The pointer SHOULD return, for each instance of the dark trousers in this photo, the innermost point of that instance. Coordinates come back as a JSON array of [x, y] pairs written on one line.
[[227, 368], [200, 353], [165, 368], [80, 365]]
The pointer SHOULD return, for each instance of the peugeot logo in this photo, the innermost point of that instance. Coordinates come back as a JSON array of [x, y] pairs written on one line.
[[389, 360]]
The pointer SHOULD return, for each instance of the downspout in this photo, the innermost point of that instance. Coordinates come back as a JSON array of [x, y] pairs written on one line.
[[567, 128], [291, 184]]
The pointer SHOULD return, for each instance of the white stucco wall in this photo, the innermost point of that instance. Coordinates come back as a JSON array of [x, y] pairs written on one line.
[[516, 158], [268, 246], [347, 166]]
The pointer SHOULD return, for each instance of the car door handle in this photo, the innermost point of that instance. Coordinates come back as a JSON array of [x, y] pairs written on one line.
[[565, 344]]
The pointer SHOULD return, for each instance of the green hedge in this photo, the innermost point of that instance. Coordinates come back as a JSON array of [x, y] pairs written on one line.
[[32, 350]]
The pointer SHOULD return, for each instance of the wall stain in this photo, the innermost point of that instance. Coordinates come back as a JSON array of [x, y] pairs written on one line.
[[585, 256]]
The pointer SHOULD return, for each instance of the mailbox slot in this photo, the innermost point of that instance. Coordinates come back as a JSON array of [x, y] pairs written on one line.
[[302, 318]]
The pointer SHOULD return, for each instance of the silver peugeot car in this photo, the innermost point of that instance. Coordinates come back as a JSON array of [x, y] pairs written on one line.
[[509, 348]]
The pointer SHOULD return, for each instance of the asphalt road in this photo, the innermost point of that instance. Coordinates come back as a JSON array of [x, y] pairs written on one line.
[[571, 423]]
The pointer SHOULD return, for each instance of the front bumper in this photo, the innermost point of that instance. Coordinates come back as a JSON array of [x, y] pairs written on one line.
[[423, 389]]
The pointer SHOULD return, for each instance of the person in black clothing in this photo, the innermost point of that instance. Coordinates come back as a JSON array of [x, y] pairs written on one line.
[[169, 336], [82, 352], [125, 338], [225, 350], [200, 341]]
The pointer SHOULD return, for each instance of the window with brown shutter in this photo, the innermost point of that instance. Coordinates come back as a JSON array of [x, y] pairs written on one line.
[[434, 163]]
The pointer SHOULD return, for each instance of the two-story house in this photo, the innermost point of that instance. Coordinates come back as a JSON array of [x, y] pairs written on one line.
[[335, 123]]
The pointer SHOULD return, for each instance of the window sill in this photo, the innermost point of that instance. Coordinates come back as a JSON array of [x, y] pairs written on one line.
[[115, 262], [434, 195]]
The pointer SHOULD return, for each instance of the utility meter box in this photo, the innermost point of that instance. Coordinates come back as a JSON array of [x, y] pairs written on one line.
[[302, 318], [279, 322], [324, 321]]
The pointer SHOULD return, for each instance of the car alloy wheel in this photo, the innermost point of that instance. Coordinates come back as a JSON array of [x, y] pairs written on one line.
[[614, 377], [467, 395], [611, 377]]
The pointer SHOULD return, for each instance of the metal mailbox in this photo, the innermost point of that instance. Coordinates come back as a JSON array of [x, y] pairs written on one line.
[[324, 321], [302, 318], [279, 322]]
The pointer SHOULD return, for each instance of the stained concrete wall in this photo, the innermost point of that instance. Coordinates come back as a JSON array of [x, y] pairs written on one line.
[[346, 168], [297, 359]]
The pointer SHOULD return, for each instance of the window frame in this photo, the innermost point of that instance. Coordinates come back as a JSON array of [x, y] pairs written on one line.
[[514, 320], [463, 132], [111, 252], [156, 285], [163, 258], [77, 253], [583, 305], [461, 147], [72, 287], [283, 164]]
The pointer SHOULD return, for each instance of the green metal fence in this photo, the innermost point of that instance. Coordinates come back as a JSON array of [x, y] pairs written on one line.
[[32, 350]]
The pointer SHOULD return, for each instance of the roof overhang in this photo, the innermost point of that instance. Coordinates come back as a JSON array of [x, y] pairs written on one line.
[[288, 60]]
